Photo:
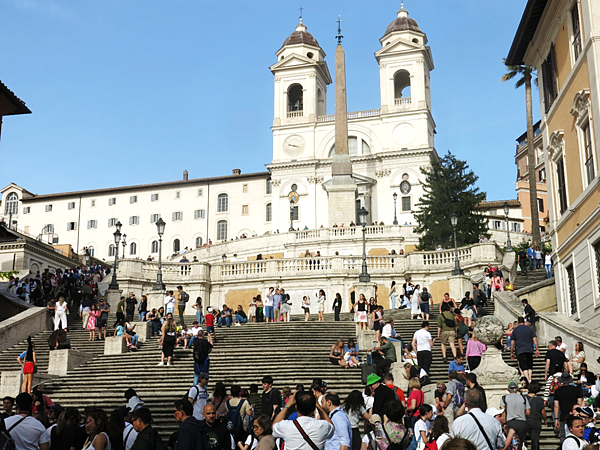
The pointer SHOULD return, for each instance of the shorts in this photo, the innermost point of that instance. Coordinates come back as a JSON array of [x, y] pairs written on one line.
[[467, 313], [525, 361], [424, 308], [102, 323], [210, 329], [447, 336], [321, 307], [28, 367]]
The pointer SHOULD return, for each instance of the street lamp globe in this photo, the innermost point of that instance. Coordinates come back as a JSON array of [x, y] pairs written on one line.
[[160, 226], [362, 215], [506, 209], [118, 225], [117, 235], [454, 219]]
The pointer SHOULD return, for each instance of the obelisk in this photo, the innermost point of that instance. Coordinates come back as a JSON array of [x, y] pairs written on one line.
[[341, 189]]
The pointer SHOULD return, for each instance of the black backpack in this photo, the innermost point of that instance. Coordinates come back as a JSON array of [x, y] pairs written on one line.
[[449, 322], [234, 419], [185, 296]]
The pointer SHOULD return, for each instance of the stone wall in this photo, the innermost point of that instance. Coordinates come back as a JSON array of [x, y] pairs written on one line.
[[541, 296], [26, 323]]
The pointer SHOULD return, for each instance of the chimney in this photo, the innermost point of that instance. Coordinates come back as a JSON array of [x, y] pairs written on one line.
[[237, 171], [185, 175]]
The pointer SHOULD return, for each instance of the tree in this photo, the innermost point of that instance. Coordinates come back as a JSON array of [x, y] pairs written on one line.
[[449, 188], [524, 74]]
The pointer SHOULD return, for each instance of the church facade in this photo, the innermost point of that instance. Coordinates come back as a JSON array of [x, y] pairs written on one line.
[[387, 146]]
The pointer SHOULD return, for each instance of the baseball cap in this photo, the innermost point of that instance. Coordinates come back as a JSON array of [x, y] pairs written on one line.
[[493, 412], [513, 386], [203, 375], [372, 379], [586, 410]]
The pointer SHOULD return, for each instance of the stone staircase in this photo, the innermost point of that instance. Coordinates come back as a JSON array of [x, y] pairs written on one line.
[[532, 277], [294, 352]]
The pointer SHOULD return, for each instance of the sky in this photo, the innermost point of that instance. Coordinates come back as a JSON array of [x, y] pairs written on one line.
[[126, 92]]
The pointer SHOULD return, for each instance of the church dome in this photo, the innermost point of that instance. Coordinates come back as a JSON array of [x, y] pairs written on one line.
[[301, 36], [402, 23]]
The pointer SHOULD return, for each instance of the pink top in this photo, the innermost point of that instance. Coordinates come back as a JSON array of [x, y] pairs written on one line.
[[475, 348]]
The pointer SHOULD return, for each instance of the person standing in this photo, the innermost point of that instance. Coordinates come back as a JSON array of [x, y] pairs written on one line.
[[342, 436], [524, 341], [423, 342], [565, 396], [28, 360], [276, 306], [531, 257], [190, 435], [27, 432], [321, 304], [556, 362], [198, 395], [446, 331], [271, 398], [198, 307], [269, 305], [393, 295], [182, 299], [120, 312], [169, 303], [61, 313], [337, 307], [286, 306], [217, 434], [143, 308], [537, 415], [548, 265], [516, 409], [148, 438], [426, 304], [130, 306]]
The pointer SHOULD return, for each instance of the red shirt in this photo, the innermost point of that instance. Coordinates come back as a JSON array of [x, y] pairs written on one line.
[[399, 392], [210, 320]]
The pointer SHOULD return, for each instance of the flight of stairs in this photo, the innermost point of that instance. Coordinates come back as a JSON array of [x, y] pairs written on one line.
[[294, 352], [532, 277]]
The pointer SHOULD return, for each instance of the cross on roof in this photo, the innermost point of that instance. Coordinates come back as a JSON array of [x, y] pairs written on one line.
[[339, 35], [301, 9]]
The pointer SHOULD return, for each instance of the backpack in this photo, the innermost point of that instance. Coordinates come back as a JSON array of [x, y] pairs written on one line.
[[570, 436], [459, 396], [449, 322], [184, 296], [431, 445], [234, 420]]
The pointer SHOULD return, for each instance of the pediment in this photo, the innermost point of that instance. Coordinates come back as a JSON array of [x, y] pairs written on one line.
[[397, 45], [294, 61]]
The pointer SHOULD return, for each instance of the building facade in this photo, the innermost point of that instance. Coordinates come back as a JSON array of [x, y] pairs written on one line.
[[561, 38], [388, 147]]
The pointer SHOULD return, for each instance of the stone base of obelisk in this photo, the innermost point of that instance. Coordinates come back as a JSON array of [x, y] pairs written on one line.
[[341, 192], [493, 374]]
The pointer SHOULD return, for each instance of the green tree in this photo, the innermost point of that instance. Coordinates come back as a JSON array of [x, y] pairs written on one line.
[[449, 188], [524, 74]]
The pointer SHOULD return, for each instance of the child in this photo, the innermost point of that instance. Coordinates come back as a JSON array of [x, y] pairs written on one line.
[[210, 322], [421, 431], [120, 331]]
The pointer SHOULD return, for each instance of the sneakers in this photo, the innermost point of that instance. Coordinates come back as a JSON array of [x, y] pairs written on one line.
[[169, 364], [161, 364], [238, 324]]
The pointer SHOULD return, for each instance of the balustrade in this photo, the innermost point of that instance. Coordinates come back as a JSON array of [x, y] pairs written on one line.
[[403, 101]]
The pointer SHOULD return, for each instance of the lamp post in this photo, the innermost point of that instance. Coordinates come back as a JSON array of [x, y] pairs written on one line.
[[160, 229], [124, 244], [457, 270], [224, 257], [117, 235], [364, 277], [508, 243], [291, 215], [395, 217]]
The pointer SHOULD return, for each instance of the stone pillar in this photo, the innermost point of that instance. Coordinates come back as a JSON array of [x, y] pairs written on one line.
[[62, 361], [156, 299], [458, 285], [115, 345], [10, 383], [143, 331], [113, 296]]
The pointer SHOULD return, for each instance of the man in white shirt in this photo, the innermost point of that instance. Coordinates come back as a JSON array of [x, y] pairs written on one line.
[[390, 332], [198, 395], [423, 342], [28, 433], [296, 433], [478, 427], [169, 303]]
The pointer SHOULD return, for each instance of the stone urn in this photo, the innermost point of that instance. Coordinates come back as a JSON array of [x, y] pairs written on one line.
[[493, 369]]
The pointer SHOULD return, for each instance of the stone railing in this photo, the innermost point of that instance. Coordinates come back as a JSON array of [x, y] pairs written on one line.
[[403, 101], [351, 115], [293, 114]]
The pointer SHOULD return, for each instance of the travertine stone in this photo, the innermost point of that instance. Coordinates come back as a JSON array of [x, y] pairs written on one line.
[[10, 383], [489, 330], [143, 330], [62, 361], [115, 345]]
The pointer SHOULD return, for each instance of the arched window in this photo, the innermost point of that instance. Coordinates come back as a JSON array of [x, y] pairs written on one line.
[[221, 230], [356, 147], [222, 203], [12, 204], [402, 84], [199, 242], [295, 98], [176, 245], [268, 212], [133, 248], [268, 187], [154, 247], [111, 250], [91, 250]]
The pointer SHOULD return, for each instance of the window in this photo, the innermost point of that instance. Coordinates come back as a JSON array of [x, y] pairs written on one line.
[[154, 218], [71, 226], [542, 175], [295, 212], [176, 245], [516, 227], [154, 247], [401, 85], [295, 98], [540, 204], [576, 31], [134, 220], [356, 147], [12, 204], [268, 187], [405, 203], [49, 228], [199, 214], [597, 255], [178, 215], [561, 185], [588, 152], [112, 221], [177, 194], [92, 224], [48, 208], [71, 205], [91, 250], [550, 82], [199, 192], [154, 197], [111, 250], [198, 242], [572, 294], [245, 188], [496, 224], [133, 199], [133, 248], [93, 203], [268, 213], [26, 209], [112, 201], [244, 210], [222, 230], [222, 203]]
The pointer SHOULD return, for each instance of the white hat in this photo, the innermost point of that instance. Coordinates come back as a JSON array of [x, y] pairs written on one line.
[[494, 411]]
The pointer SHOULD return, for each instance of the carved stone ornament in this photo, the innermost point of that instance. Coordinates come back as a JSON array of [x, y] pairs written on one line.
[[581, 106], [383, 173], [315, 180], [275, 182], [556, 143]]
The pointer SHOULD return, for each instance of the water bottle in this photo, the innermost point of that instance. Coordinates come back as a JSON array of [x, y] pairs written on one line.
[[515, 443]]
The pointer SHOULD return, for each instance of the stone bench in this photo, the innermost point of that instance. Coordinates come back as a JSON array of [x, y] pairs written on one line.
[[10, 383], [143, 330], [62, 361], [115, 345]]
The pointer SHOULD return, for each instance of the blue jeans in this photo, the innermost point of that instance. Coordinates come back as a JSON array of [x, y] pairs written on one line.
[[531, 262], [199, 317], [134, 339], [141, 316], [268, 313], [225, 320], [155, 327], [474, 311], [393, 301], [548, 270], [240, 319]]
